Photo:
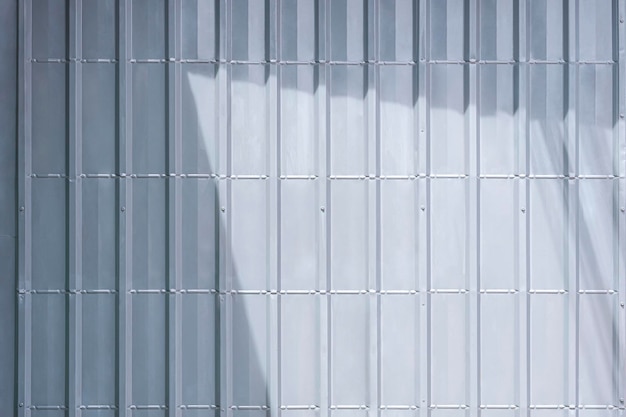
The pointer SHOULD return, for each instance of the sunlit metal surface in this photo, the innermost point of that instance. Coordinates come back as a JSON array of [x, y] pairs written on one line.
[[340, 208]]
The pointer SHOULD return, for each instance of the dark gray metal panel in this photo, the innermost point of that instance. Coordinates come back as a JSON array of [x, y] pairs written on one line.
[[8, 207], [7, 323]]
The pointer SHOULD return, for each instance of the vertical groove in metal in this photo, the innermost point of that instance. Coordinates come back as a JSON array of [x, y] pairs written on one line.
[[26, 210], [227, 193], [372, 111], [74, 204], [273, 222], [124, 266], [220, 202], [473, 212], [23, 201], [521, 320], [573, 189], [321, 102], [620, 100], [524, 223], [376, 362], [425, 285], [174, 211], [275, 172], [327, 360], [421, 98]]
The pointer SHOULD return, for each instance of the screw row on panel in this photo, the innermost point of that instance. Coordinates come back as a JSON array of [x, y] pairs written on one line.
[[470, 61], [305, 292], [332, 177], [335, 407]]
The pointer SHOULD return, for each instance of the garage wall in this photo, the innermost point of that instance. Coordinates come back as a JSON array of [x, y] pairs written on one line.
[[339, 208]]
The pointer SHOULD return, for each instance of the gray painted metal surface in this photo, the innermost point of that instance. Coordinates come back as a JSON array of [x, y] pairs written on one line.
[[321, 208], [8, 193]]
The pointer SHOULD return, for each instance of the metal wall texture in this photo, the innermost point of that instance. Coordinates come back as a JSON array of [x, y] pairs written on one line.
[[316, 208], [8, 196]]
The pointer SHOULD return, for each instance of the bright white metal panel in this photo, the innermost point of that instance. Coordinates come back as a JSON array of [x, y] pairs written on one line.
[[300, 355], [448, 119], [399, 235], [349, 235], [300, 235], [299, 108], [499, 268]]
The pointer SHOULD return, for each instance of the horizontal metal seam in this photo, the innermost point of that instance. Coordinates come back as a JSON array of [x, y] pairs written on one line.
[[192, 291], [330, 177], [333, 407], [317, 62]]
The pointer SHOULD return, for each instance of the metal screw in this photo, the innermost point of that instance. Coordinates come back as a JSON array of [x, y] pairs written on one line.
[[223, 209], [621, 304], [621, 20], [123, 208], [22, 208], [622, 209], [21, 404], [621, 115], [423, 208], [322, 209], [523, 210]]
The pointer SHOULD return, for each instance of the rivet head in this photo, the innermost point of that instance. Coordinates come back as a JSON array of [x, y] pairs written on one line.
[[123, 208], [621, 304], [621, 115], [22, 208], [423, 208], [621, 20], [623, 209], [523, 210], [21, 404], [223, 209], [322, 209]]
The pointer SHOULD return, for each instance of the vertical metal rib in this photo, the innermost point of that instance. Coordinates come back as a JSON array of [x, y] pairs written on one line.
[[571, 195], [226, 195], [325, 279], [174, 214], [74, 204], [426, 279], [222, 73], [524, 224], [275, 223], [375, 151], [520, 46], [421, 93], [473, 203], [620, 54], [24, 304], [124, 238]]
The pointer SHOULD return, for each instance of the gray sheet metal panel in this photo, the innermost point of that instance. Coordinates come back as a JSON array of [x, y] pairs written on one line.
[[322, 208], [8, 204]]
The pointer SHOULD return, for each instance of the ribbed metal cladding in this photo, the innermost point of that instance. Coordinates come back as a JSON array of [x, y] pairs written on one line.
[[321, 208]]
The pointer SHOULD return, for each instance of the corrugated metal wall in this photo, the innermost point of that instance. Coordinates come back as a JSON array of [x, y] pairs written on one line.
[[305, 208]]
